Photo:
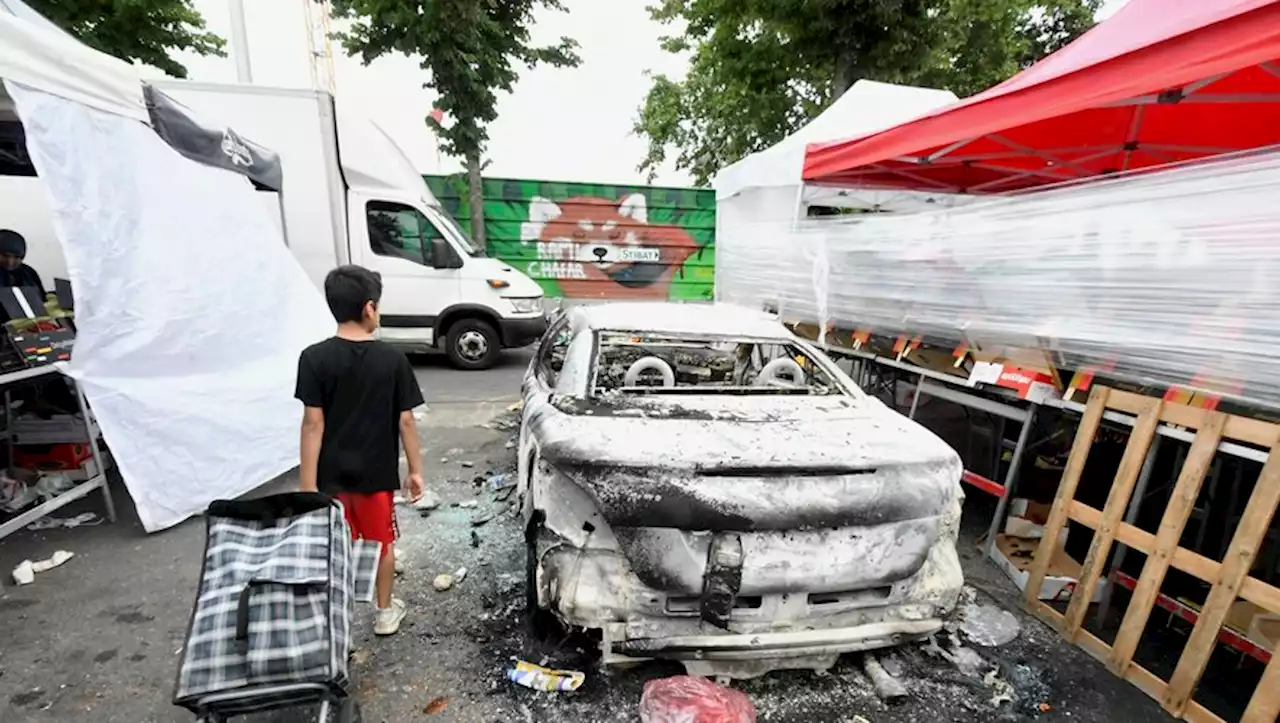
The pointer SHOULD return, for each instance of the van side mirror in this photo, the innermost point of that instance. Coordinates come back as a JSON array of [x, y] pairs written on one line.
[[444, 255]]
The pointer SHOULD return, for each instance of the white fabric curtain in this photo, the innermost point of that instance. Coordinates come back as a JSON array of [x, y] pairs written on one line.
[[190, 310]]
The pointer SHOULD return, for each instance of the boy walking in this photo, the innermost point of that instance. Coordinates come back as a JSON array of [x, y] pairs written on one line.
[[358, 395]]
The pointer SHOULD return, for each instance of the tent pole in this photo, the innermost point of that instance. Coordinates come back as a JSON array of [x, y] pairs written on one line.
[[240, 42]]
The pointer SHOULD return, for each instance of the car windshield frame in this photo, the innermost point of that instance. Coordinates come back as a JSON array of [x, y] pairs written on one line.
[[839, 385]]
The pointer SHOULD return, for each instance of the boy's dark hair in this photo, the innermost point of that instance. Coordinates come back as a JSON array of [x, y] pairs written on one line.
[[348, 289]]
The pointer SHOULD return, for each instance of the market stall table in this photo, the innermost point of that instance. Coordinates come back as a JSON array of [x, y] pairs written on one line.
[[97, 479]]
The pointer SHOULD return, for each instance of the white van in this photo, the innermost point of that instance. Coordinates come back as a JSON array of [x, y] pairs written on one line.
[[351, 196]]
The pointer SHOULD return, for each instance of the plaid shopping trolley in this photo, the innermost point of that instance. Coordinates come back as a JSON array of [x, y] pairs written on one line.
[[271, 622]]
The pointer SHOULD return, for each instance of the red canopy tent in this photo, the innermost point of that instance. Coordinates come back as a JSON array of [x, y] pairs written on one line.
[[1161, 81]]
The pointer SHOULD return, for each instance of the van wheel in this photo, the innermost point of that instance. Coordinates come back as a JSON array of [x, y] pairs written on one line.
[[472, 344]]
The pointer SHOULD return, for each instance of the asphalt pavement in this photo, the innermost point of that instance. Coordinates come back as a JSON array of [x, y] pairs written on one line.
[[98, 639]]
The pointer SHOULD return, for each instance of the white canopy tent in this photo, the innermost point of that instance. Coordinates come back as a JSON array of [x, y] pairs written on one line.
[[867, 107], [759, 198], [190, 310]]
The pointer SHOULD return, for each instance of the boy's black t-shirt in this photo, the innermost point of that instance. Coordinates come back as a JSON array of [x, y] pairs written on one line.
[[362, 386]]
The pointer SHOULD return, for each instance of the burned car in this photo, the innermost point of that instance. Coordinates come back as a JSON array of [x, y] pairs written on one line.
[[700, 485]]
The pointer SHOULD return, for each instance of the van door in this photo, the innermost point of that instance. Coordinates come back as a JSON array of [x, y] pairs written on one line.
[[400, 242]]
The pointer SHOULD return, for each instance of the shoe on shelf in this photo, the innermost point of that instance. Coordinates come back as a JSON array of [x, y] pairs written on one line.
[[388, 619]]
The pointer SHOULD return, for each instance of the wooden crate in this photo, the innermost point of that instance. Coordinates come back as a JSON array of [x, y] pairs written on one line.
[[1229, 579]]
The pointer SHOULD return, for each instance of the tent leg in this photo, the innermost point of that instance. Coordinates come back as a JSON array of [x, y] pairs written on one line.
[[96, 453], [915, 398], [1130, 518], [1010, 479]]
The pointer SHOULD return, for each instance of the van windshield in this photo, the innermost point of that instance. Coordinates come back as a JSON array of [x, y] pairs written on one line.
[[455, 234]]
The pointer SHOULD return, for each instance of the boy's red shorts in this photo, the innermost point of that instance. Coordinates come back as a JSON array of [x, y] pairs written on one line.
[[371, 516]]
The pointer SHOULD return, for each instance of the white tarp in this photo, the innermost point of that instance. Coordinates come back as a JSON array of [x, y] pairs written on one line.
[[190, 310], [867, 107]]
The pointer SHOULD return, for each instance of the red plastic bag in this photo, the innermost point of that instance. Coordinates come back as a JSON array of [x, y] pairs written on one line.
[[686, 699]]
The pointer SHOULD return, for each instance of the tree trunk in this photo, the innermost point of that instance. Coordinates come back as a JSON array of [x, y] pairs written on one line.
[[846, 68], [475, 191]]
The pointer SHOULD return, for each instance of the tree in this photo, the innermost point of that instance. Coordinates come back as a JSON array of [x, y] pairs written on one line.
[[146, 31], [468, 48], [760, 69]]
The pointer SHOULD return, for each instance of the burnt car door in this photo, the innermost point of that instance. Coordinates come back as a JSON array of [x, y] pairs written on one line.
[[539, 382]]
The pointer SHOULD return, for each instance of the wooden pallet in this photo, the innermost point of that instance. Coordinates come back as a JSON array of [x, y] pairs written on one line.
[[1229, 578]]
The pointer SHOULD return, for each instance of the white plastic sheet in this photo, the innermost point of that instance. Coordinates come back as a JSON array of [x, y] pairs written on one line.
[[190, 310], [1167, 278]]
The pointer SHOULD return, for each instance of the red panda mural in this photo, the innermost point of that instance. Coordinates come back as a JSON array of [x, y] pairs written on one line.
[[597, 247]]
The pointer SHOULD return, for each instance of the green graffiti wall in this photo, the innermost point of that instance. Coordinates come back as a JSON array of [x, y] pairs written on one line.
[[593, 241]]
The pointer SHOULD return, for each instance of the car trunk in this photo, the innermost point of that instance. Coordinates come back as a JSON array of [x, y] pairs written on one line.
[[825, 493]]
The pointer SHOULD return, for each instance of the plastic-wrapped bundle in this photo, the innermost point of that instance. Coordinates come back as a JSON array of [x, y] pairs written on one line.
[[1167, 278], [689, 699]]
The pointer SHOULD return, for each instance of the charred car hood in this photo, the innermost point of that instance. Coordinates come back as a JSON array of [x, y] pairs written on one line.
[[726, 433]]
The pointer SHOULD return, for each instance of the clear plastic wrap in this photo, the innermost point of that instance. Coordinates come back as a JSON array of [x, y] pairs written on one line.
[[1167, 278]]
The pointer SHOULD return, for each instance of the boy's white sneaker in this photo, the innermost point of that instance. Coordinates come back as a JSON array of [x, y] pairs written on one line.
[[388, 619]]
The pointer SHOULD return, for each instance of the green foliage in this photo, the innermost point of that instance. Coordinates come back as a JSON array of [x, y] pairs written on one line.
[[469, 49], [760, 69], [146, 31]]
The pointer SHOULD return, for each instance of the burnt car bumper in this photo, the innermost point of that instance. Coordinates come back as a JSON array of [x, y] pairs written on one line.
[[796, 626], [753, 646]]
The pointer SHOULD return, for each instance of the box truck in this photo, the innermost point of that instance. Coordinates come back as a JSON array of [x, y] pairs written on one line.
[[350, 195]]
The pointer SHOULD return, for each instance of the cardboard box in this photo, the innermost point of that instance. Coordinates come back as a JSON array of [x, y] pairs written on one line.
[[1014, 556], [1026, 519]]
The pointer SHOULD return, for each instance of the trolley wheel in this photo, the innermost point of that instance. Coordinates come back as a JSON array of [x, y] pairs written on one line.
[[346, 710]]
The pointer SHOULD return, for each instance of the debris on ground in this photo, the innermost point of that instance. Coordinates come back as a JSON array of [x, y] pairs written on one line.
[[443, 582], [475, 539], [468, 504], [988, 625], [1002, 689], [459, 575], [886, 686], [500, 480], [536, 677], [437, 705], [483, 518], [427, 502], [968, 660], [689, 699], [467, 464], [25, 572], [891, 663], [85, 519], [1030, 681]]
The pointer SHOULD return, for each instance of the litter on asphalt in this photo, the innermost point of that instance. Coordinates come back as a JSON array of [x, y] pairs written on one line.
[[536, 677]]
